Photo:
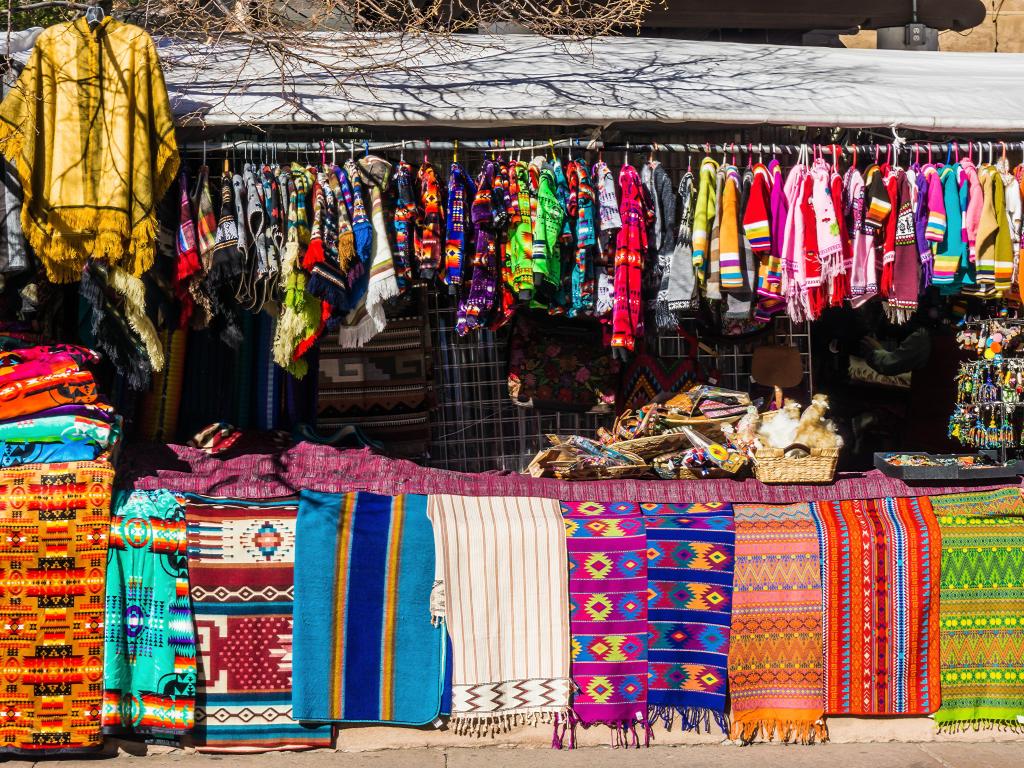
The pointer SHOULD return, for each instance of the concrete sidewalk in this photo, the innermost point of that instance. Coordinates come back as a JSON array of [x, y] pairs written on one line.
[[893, 755]]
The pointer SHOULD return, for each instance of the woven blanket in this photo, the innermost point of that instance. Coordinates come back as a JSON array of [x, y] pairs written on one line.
[[365, 647], [689, 611], [241, 569], [880, 576], [981, 610], [503, 564], [149, 666], [54, 521], [775, 654], [385, 386], [608, 615]]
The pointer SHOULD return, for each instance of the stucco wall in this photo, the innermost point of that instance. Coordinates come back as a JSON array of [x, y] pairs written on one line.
[[1002, 30]]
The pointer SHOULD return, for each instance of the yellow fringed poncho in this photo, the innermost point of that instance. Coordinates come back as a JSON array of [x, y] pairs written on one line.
[[90, 130]]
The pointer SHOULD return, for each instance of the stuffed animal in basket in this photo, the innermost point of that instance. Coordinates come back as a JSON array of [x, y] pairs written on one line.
[[814, 430], [778, 428]]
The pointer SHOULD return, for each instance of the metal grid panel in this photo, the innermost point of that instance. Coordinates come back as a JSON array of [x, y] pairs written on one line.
[[476, 427], [733, 360]]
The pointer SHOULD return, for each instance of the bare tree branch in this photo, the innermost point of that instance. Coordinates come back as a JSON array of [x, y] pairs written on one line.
[[291, 32]]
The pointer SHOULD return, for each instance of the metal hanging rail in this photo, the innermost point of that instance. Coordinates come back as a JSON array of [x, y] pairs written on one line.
[[335, 148]]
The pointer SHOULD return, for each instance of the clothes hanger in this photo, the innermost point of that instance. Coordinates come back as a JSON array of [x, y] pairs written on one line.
[[94, 14]]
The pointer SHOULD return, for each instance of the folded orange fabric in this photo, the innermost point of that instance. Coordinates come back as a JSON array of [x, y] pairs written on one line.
[[36, 394]]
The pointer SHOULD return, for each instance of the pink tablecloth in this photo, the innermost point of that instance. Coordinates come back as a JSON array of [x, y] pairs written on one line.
[[331, 470]]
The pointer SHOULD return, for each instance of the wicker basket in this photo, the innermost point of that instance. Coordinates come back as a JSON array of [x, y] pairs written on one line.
[[597, 472], [710, 428], [646, 447], [772, 466]]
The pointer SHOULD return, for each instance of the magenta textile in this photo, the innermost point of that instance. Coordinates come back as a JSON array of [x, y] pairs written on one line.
[[329, 470]]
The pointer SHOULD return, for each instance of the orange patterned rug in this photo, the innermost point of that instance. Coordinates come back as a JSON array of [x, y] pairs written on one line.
[[54, 521]]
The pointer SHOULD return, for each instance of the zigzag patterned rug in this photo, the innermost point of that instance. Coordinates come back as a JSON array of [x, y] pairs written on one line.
[[608, 615], [775, 658], [880, 576], [981, 610], [503, 564]]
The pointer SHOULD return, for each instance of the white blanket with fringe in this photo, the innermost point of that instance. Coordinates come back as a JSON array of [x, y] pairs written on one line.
[[504, 566]]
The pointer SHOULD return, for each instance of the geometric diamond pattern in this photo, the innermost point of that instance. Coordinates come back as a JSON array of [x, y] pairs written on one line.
[[689, 603]]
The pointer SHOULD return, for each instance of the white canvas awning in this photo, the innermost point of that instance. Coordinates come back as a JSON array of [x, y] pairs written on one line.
[[485, 81]]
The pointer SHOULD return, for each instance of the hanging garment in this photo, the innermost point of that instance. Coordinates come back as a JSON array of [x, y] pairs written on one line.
[[303, 316], [111, 328], [404, 224], [678, 292], [757, 227], [631, 244], [608, 212], [187, 249], [713, 287], [429, 238], [94, 193], [224, 270], [760, 229], [367, 319], [951, 251], [583, 205], [995, 248], [904, 279], [149, 661], [975, 203], [793, 253], [731, 275], [457, 225], [475, 308], [863, 281], [827, 232], [547, 252], [703, 219], [1011, 195], [340, 288], [13, 253], [662, 232], [921, 203], [520, 245], [739, 296], [839, 290]]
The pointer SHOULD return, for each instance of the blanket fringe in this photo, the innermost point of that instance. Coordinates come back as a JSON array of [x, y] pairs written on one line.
[[697, 719], [500, 722], [788, 731], [624, 733], [981, 724]]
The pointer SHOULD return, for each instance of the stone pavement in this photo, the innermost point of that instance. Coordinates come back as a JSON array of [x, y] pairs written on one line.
[[892, 755]]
